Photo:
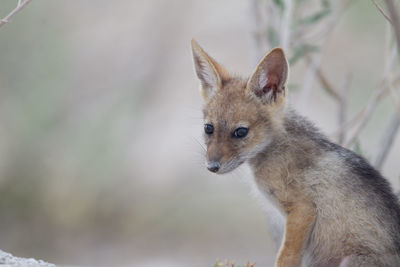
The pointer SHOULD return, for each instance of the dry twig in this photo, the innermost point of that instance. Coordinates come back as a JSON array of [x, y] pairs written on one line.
[[286, 24], [339, 96], [395, 100], [394, 21], [362, 118], [323, 31], [342, 105], [327, 85], [20, 6], [382, 12], [394, 124], [309, 79], [387, 140], [365, 114]]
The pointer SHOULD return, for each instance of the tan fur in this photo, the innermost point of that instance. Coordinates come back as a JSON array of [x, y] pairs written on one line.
[[334, 215], [211, 68], [300, 217]]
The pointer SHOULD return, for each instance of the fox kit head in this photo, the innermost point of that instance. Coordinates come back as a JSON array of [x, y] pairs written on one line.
[[241, 116]]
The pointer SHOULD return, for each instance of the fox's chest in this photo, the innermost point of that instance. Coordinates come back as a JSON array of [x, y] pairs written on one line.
[[281, 188]]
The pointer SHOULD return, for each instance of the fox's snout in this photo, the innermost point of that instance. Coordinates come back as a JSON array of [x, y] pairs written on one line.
[[213, 166], [220, 164], [213, 158]]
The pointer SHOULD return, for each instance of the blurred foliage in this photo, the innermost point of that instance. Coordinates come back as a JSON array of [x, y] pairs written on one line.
[[315, 17], [280, 4], [227, 263], [301, 51], [319, 14], [273, 36], [307, 18]]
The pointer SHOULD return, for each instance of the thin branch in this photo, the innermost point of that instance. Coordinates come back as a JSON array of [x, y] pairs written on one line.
[[258, 32], [382, 12], [366, 114], [360, 116], [387, 140], [386, 81], [286, 24], [391, 130], [395, 100], [301, 36], [327, 85], [309, 79], [7, 18], [341, 120], [389, 134], [342, 105], [339, 96], [395, 21]]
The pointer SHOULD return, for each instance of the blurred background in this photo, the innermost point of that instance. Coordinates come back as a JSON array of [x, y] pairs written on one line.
[[100, 124]]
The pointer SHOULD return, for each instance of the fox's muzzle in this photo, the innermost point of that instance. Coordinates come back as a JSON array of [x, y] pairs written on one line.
[[213, 166]]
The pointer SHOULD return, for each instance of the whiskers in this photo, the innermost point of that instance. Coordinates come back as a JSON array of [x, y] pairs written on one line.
[[199, 150], [204, 149]]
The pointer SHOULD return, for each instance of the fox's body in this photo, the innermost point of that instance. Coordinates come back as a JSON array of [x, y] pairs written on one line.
[[339, 210], [353, 209]]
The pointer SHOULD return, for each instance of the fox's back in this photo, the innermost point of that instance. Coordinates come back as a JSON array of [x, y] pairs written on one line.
[[357, 212]]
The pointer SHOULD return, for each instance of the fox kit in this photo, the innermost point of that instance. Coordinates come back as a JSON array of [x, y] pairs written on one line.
[[339, 210]]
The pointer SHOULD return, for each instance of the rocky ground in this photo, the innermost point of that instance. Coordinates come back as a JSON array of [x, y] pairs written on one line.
[[8, 260]]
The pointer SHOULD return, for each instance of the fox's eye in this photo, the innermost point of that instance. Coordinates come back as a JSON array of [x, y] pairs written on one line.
[[208, 128], [240, 132]]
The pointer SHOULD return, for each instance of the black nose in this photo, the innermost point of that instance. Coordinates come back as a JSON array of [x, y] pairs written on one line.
[[213, 166]]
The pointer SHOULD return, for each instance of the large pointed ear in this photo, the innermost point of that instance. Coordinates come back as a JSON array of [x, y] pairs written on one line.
[[210, 73], [268, 80]]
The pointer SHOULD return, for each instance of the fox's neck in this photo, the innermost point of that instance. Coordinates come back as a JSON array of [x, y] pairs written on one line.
[[291, 150], [279, 167]]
